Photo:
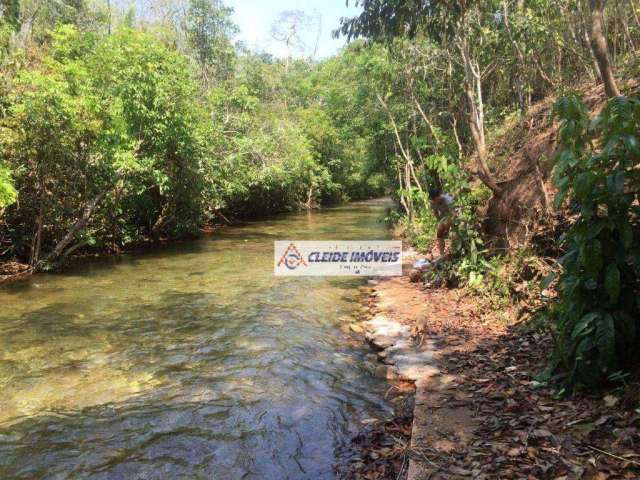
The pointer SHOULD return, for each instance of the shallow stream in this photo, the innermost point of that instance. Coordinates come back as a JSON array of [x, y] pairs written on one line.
[[188, 361]]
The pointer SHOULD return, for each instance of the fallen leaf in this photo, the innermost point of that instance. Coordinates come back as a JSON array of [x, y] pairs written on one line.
[[514, 452]]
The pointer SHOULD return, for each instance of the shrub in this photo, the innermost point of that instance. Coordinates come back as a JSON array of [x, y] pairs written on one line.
[[598, 311]]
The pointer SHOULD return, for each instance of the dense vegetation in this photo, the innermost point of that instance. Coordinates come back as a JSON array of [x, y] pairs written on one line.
[[116, 130], [465, 69], [599, 308]]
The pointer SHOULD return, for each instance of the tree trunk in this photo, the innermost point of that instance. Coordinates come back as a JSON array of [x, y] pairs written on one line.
[[402, 197], [600, 49], [454, 125], [473, 90], [37, 240], [162, 219], [635, 13], [79, 225]]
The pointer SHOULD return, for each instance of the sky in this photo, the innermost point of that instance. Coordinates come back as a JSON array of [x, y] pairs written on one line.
[[256, 17]]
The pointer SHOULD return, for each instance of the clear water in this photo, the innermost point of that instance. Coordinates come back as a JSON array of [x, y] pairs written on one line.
[[190, 361]]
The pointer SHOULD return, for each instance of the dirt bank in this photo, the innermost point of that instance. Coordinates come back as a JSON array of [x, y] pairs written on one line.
[[479, 410]]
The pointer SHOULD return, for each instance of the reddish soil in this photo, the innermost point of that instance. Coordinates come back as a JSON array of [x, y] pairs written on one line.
[[486, 416]]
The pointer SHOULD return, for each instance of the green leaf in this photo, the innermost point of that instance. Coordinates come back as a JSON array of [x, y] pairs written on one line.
[[547, 280], [595, 122], [615, 183], [612, 282], [591, 257], [568, 131], [583, 184], [631, 143], [583, 324], [605, 340], [559, 198]]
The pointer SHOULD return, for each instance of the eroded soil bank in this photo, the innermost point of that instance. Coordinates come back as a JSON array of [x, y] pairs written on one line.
[[479, 411]]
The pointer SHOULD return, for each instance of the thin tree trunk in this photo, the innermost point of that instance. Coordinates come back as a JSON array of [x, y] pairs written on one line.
[[79, 225], [160, 221], [635, 13], [37, 240], [407, 179], [594, 61], [72, 249], [454, 124], [402, 197], [625, 25], [473, 90], [426, 120], [600, 49], [405, 155], [409, 168], [521, 58], [309, 197]]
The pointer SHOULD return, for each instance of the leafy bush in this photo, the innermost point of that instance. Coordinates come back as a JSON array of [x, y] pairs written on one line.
[[598, 312], [7, 191]]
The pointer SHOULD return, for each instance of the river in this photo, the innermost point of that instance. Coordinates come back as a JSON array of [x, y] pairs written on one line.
[[188, 361]]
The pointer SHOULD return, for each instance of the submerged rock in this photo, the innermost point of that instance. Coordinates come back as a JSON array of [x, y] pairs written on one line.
[[398, 350]]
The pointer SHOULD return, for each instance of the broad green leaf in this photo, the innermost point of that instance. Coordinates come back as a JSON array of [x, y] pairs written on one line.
[[595, 123], [615, 183], [605, 339], [548, 280], [591, 256], [583, 324], [583, 184], [632, 145], [612, 282]]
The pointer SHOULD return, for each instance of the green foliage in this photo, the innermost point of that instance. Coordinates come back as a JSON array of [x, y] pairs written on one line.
[[111, 117], [8, 192], [209, 28], [597, 173], [165, 141]]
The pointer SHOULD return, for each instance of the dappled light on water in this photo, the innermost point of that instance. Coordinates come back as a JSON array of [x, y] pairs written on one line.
[[190, 361]]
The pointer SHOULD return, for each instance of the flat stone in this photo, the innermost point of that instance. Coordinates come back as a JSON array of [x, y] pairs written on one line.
[[384, 324], [416, 372], [356, 328], [384, 333]]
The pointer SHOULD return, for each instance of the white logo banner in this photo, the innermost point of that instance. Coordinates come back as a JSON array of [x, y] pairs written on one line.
[[338, 258]]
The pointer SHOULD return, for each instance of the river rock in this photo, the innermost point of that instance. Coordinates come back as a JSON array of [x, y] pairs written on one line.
[[400, 356], [384, 333], [356, 328]]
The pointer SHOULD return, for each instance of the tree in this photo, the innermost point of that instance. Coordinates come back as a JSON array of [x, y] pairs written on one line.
[[209, 28], [600, 48], [288, 28], [8, 192], [460, 28]]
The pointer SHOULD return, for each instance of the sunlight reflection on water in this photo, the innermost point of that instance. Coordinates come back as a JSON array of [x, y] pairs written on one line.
[[190, 361]]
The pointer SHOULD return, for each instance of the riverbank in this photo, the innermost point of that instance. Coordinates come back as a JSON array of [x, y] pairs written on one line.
[[479, 411], [12, 269]]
